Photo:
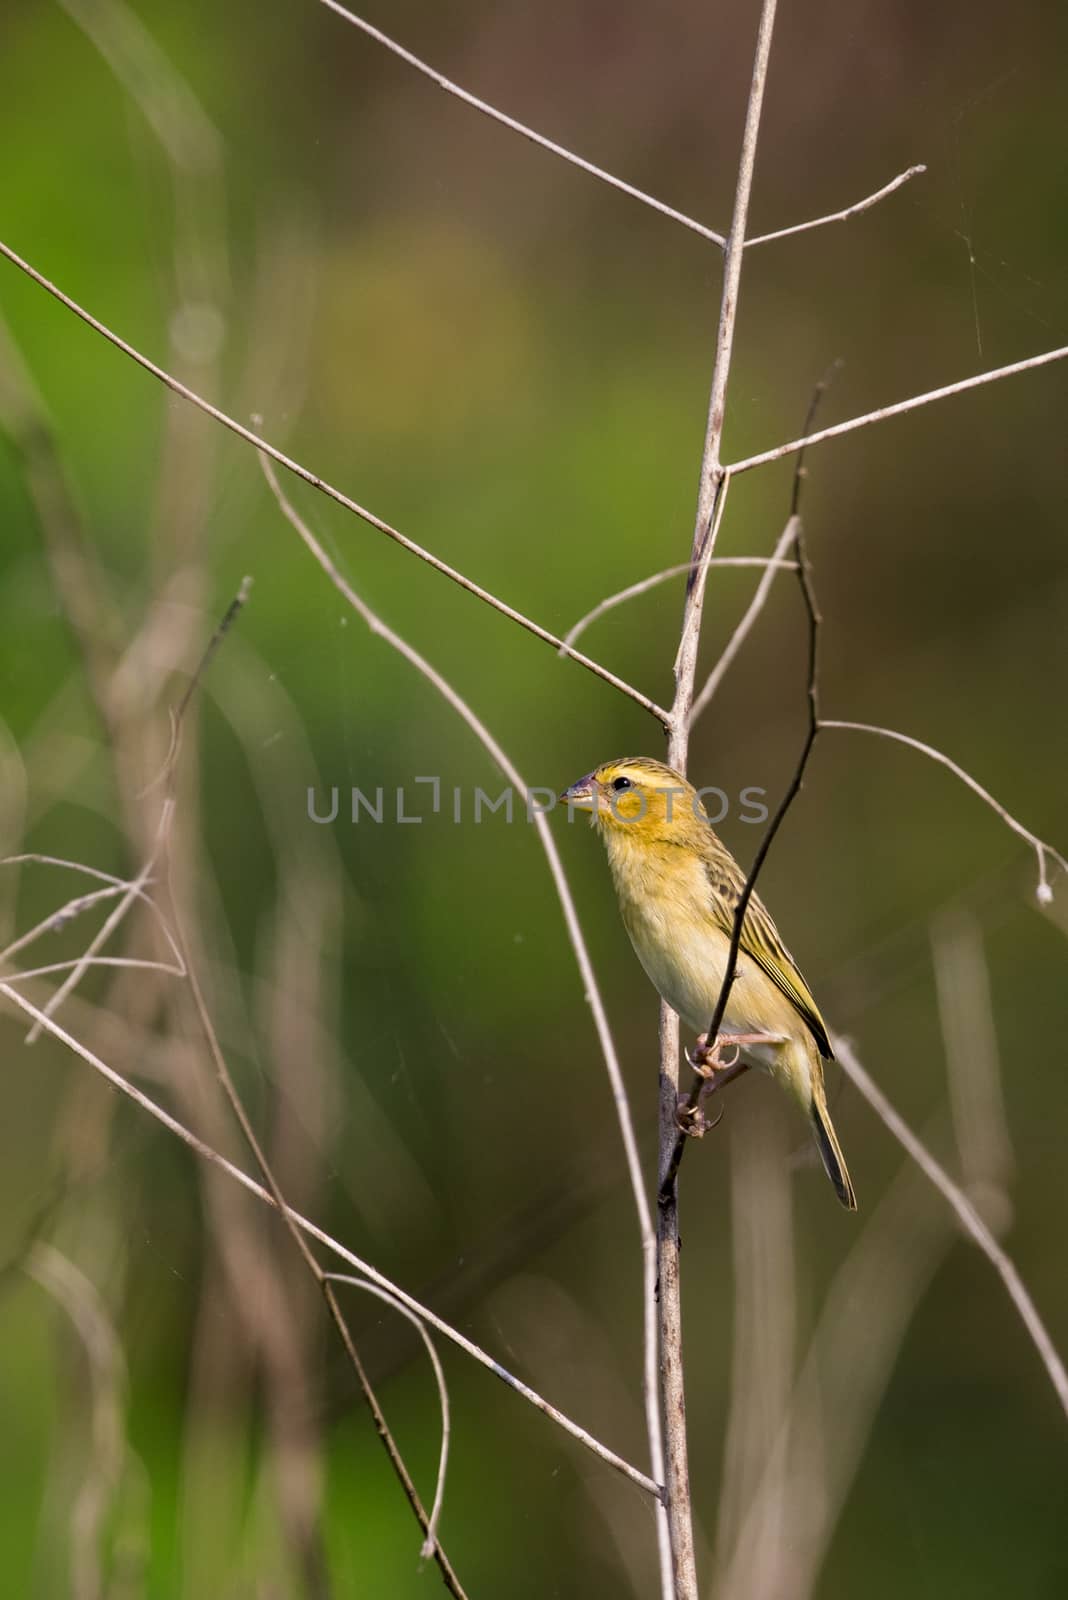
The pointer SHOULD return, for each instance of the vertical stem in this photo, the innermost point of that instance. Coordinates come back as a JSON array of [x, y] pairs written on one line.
[[672, 1385], [711, 498], [732, 274]]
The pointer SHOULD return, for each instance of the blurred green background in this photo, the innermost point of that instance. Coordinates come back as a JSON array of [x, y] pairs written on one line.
[[510, 363]]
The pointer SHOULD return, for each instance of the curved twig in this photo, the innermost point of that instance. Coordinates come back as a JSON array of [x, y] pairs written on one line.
[[1043, 892], [430, 1542], [632, 590]]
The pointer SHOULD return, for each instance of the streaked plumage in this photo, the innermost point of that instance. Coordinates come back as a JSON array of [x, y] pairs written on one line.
[[678, 887]]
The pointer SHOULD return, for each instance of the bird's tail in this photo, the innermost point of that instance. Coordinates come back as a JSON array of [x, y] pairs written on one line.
[[827, 1142]]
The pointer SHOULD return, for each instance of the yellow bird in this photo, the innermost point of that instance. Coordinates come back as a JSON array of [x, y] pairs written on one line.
[[678, 887]]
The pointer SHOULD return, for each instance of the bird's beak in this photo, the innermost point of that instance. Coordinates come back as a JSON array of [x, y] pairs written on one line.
[[582, 795]]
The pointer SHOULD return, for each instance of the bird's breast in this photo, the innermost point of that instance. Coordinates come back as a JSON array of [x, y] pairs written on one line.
[[666, 912]]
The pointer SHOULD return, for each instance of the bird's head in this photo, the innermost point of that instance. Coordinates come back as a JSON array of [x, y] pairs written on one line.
[[639, 798]]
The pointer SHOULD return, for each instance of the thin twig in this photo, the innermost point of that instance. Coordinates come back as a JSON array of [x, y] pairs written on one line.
[[711, 470], [645, 584], [443, 1395], [328, 489], [970, 1219], [744, 628], [896, 410], [519, 127], [840, 216], [365, 1268], [1044, 891], [589, 981]]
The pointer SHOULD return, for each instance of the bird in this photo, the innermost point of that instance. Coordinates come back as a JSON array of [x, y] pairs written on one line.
[[678, 888]]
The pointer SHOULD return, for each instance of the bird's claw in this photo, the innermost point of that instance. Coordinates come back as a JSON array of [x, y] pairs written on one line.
[[691, 1120]]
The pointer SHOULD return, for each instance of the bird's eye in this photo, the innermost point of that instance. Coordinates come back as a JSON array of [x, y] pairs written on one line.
[[621, 783]]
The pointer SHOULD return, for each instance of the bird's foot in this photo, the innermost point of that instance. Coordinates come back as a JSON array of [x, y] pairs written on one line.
[[690, 1119], [706, 1060]]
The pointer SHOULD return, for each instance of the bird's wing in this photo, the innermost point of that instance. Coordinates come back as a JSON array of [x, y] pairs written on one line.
[[761, 943]]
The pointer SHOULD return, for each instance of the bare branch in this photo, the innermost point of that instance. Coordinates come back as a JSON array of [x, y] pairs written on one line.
[[713, 485], [840, 216], [328, 489], [518, 127], [711, 470], [970, 1219], [896, 410], [632, 590], [742, 631], [1042, 850], [207, 1153]]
